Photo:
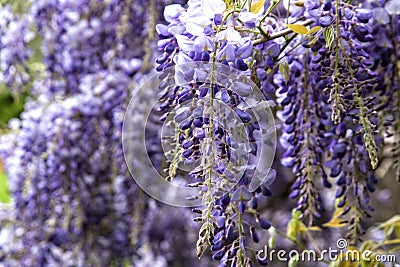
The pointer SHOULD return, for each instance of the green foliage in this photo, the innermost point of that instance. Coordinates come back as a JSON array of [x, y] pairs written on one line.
[[10, 107], [272, 5], [18, 6], [298, 28], [329, 35], [371, 248], [12, 103], [293, 228], [284, 69], [256, 6], [4, 192]]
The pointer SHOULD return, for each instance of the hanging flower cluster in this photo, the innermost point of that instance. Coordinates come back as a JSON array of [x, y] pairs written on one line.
[[316, 62], [72, 193], [319, 76]]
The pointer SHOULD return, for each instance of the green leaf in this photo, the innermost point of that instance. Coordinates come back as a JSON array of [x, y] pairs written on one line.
[[10, 107], [293, 227], [256, 7], [367, 245], [284, 69], [312, 41], [397, 230], [297, 28], [4, 191], [272, 241], [314, 38], [293, 261], [395, 220], [314, 29], [299, 3], [329, 35], [18, 6], [336, 221], [389, 230]]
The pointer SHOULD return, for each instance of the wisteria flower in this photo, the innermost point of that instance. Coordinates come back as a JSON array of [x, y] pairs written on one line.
[[213, 7], [249, 19], [393, 7], [172, 12], [196, 22], [230, 35]]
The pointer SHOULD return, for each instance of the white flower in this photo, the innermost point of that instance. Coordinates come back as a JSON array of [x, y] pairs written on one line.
[[203, 43], [196, 22], [172, 11], [212, 7], [393, 7], [230, 35], [382, 16], [194, 6], [184, 43], [293, 7], [246, 16]]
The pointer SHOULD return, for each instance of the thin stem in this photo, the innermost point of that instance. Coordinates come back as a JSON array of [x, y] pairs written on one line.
[[293, 48], [336, 66], [210, 161], [280, 33], [385, 243], [288, 41], [274, 3], [240, 226], [364, 118], [150, 36]]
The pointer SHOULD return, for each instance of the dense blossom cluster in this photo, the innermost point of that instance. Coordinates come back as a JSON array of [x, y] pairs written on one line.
[[327, 80], [385, 55], [333, 107], [84, 46], [68, 179], [329, 70], [204, 32], [15, 36]]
